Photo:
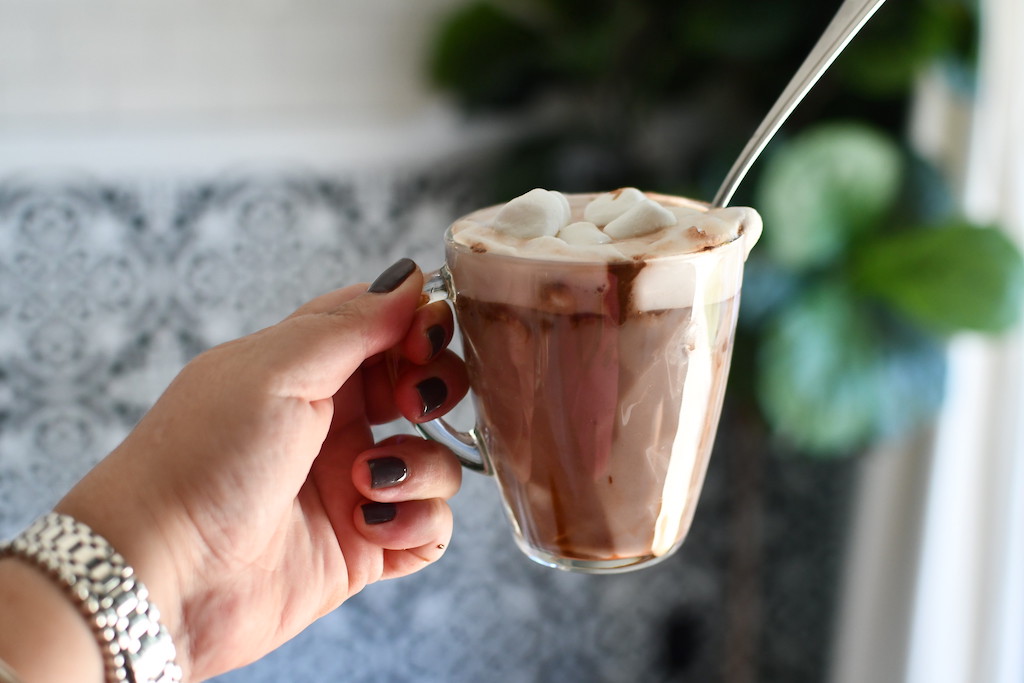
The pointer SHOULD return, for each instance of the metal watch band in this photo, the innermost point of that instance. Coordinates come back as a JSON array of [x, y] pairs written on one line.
[[135, 645]]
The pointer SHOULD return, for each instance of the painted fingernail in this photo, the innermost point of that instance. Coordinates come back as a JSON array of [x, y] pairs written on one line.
[[379, 513], [387, 471], [436, 336], [395, 275], [433, 393]]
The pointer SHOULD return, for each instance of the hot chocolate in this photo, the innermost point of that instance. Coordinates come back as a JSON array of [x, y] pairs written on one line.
[[598, 337]]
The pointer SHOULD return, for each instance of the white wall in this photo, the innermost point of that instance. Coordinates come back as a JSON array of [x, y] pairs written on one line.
[[164, 84], [232, 60]]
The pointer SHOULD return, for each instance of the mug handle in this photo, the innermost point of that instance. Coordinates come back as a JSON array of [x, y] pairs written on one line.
[[465, 445]]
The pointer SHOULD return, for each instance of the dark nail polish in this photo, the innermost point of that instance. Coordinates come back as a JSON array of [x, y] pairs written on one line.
[[395, 275], [387, 471], [433, 393], [379, 513], [436, 335]]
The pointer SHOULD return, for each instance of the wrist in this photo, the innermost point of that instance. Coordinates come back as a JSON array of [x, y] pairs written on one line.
[[36, 622], [133, 528], [109, 598]]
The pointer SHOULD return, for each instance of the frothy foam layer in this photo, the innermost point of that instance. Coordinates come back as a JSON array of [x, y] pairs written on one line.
[[629, 231], [624, 225]]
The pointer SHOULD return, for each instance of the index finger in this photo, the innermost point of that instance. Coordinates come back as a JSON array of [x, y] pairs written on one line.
[[310, 355], [329, 301]]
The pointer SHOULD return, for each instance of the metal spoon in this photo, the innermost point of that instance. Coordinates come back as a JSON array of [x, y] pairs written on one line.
[[850, 18]]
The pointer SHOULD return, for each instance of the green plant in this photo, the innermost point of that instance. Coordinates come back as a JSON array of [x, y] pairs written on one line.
[[851, 297], [866, 267]]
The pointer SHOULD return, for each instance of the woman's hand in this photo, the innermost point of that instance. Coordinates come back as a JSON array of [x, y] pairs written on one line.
[[251, 499]]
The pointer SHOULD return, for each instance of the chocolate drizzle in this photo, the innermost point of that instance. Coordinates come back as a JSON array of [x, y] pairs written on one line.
[[622, 276]]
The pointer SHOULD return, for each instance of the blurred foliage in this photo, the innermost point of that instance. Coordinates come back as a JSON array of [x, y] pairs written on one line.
[[853, 351], [865, 267]]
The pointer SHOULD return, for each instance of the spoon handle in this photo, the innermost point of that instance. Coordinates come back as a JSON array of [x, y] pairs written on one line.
[[850, 18]]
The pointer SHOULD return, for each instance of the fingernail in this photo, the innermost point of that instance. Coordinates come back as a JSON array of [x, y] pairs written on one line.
[[433, 393], [379, 513], [387, 471], [436, 335], [395, 275]]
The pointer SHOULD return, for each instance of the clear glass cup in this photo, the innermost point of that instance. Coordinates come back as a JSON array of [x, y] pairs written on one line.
[[598, 388]]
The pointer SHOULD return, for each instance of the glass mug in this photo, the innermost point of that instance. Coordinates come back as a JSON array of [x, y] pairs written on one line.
[[597, 388]]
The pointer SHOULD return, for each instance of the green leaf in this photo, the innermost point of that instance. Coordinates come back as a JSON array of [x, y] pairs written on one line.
[[486, 56], [949, 278], [823, 188], [835, 376]]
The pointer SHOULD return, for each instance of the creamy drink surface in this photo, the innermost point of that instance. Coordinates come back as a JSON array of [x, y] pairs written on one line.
[[598, 331]]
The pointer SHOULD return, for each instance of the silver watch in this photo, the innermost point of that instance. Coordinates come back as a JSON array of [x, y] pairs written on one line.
[[135, 645]]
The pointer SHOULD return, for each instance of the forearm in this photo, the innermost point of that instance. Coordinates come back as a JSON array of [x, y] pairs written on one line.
[[43, 637]]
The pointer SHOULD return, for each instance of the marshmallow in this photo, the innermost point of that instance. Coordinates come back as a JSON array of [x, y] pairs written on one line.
[[688, 215], [582, 233], [544, 244], [606, 207], [538, 213], [748, 220], [564, 202], [689, 227], [644, 217]]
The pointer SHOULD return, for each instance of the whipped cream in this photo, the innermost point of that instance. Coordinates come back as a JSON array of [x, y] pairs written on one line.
[[621, 225]]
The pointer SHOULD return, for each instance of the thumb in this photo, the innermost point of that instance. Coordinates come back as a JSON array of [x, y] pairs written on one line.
[[312, 354]]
